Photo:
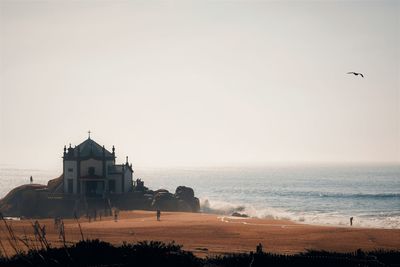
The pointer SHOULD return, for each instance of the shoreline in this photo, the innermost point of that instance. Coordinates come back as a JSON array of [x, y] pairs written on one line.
[[355, 224], [208, 234], [244, 218]]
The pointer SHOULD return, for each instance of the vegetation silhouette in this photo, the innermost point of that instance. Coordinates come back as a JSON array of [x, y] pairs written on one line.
[[156, 253]]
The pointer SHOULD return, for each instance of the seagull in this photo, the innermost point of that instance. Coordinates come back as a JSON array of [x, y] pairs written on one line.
[[356, 73]]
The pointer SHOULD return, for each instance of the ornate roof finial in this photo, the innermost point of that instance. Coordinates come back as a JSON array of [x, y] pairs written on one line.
[[89, 134], [126, 159]]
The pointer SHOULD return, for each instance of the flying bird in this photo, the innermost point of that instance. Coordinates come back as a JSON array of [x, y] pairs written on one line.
[[356, 73]]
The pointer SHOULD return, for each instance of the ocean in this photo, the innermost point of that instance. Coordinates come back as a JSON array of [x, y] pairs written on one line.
[[320, 194]]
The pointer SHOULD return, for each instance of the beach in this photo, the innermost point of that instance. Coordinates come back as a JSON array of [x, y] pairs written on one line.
[[210, 234]]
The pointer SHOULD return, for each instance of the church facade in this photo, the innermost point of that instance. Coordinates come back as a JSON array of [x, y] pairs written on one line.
[[90, 170]]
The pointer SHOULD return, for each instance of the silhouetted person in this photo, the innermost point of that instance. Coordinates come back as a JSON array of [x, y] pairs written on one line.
[[61, 234], [259, 248], [115, 215], [31, 179], [351, 221], [158, 215]]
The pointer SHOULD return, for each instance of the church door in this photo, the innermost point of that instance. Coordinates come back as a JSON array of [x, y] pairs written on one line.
[[70, 186], [94, 188]]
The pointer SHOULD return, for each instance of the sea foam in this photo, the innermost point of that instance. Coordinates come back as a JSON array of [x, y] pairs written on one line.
[[315, 218]]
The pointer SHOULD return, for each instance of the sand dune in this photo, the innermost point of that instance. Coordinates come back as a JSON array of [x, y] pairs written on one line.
[[207, 234]]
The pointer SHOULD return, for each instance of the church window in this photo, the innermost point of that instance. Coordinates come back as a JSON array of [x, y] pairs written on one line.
[[91, 171], [70, 170]]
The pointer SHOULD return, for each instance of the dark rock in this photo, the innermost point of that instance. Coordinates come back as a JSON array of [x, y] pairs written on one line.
[[160, 191], [237, 214], [164, 200], [34, 200], [184, 193], [22, 199], [56, 185], [187, 200], [182, 200], [148, 196]]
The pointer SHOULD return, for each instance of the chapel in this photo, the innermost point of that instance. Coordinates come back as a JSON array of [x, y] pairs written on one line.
[[90, 170]]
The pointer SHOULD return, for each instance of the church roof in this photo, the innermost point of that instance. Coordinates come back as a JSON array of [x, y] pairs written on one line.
[[88, 149]]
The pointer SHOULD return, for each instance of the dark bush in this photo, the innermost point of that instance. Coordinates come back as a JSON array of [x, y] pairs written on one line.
[[155, 253]]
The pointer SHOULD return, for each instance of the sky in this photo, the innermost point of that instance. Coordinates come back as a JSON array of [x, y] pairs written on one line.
[[200, 83]]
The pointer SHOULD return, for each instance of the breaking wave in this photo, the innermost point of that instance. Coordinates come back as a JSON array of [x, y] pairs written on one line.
[[388, 220], [340, 195]]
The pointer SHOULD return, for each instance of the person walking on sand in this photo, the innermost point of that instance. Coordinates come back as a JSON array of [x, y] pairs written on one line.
[[116, 215], [61, 233], [158, 215], [31, 179], [351, 221]]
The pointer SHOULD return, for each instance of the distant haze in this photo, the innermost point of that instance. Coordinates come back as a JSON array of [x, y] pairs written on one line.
[[175, 83]]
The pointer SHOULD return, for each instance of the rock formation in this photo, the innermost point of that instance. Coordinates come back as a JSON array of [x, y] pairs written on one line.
[[36, 200], [182, 200], [186, 198]]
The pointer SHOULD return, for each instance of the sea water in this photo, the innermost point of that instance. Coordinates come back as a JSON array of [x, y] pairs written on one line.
[[324, 195]]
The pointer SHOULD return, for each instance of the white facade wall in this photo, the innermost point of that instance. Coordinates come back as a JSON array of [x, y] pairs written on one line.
[[97, 164], [128, 180], [70, 172], [118, 168]]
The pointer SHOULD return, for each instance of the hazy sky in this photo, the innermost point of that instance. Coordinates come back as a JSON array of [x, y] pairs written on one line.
[[173, 83]]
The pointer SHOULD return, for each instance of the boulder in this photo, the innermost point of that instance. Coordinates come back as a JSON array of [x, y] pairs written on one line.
[[55, 185], [164, 200], [35, 200], [182, 200], [160, 191], [187, 200], [21, 200], [237, 214], [184, 193]]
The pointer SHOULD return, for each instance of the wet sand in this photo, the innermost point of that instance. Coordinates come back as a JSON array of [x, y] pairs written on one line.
[[208, 234]]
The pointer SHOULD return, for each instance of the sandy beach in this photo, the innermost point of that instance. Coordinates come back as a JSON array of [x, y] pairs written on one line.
[[207, 234]]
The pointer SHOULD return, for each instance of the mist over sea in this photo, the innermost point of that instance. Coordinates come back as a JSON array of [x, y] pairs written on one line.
[[326, 195]]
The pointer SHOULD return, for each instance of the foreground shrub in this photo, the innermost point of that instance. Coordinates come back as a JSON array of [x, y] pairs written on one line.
[[155, 253]]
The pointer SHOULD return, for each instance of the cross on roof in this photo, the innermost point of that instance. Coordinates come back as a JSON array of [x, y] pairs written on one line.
[[89, 133]]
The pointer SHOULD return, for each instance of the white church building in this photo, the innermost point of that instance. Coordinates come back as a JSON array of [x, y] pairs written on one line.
[[90, 170]]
